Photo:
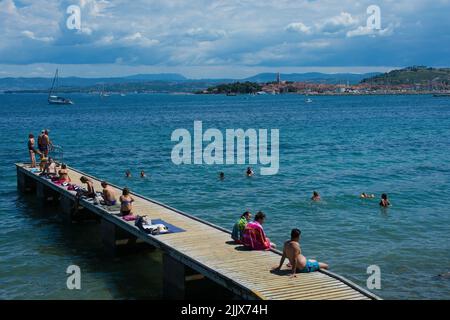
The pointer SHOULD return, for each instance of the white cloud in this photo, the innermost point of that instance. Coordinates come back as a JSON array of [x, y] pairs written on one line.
[[31, 35], [205, 34], [337, 23], [368, 31], [138, 39], [298, 27], [8, 6]]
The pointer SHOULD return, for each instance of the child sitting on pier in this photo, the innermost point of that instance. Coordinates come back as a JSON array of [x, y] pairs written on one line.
[[239, 226], [254, 237]]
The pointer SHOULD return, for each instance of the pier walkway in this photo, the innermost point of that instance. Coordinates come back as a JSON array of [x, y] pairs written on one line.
[[200, 250]]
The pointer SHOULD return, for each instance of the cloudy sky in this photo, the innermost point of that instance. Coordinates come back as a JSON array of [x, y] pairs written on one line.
[[226, 38]]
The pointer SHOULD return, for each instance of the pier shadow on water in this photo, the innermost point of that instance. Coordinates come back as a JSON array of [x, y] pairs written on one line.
[[53, 245]]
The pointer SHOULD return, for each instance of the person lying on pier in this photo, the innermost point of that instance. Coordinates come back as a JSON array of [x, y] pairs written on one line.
[[297, 261], [90, 192], [63, 174], [126, 202], [109, 195], [254, 237], [239, 226]]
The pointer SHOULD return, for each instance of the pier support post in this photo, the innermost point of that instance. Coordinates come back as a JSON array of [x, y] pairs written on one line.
[[114, 239], [45, 194], [24, 182], [67, 208], [174, 278]]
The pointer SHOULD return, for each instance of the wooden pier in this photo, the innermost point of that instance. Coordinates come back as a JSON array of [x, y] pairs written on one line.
[[201, 250]]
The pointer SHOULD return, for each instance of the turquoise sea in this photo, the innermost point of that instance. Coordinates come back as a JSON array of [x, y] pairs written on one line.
[[340, 146]]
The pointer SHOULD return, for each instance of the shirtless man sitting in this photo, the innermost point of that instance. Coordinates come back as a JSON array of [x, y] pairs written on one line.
[[108, 194], [297, 261], [90, 187]]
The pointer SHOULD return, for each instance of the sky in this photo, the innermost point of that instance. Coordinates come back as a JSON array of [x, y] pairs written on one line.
[[220, 39]]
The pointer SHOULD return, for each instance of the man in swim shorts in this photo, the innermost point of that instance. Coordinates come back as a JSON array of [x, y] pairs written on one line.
[[297, 261], [108, 194]]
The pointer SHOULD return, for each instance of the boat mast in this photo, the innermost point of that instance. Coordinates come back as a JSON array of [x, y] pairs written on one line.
[[53, 83]]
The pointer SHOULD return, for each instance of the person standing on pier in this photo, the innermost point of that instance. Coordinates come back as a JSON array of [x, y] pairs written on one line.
[[44, 142], [297, 261], [32, 150]]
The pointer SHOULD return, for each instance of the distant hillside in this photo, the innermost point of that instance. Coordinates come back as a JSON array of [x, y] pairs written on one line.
[[315, 77], [411, 75], [45, 83]]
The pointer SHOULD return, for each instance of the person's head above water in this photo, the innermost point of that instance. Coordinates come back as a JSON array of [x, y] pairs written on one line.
[[384, 196], [316, 194], [221, 174], [128, 173], [260, 217], [295, 234], [125, 191]]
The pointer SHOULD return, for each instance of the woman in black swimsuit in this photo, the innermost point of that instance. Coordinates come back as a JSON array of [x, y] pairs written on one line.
[[32, 150]]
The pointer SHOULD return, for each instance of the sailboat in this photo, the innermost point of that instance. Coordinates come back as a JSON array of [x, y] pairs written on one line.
[[52, 97]]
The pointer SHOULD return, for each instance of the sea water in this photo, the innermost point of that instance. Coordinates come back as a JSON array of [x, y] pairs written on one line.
[[338, 145]]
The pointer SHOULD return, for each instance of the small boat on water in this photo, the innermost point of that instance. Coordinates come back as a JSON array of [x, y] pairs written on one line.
[[53, 98]]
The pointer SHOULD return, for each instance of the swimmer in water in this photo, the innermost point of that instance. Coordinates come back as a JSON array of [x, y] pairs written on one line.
[[384, 202], [128, 174], [366, 196], [315, 196], [249, 172], [221, 175], [143, 174]]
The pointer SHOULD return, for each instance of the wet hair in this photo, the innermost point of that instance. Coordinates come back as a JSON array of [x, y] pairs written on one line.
[[221, 174], [31, 135], [246, 213], [295, 233], [260, 216], [315, 194], [63, 166], [384, 196], [104, 184], [125, 191], [84, 179]]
